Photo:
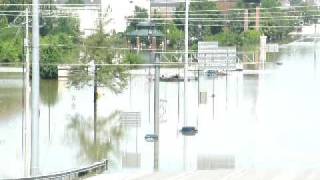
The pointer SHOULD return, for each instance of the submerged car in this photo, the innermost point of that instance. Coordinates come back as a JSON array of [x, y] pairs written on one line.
[[151, 137], [189, 131]]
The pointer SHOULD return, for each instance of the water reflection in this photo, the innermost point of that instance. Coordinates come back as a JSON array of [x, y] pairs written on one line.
[[213, 162], [109, 133], [10, 103], [10, 95], [250, 91], [49, 92]]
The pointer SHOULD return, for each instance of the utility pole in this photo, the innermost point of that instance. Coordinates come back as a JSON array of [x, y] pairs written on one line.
[[95, 86], [27, 123], [156, 109], [245, 20], [35, 90], [186, 44], [263, 49], [149, 13], [257, 18], [95, 97]]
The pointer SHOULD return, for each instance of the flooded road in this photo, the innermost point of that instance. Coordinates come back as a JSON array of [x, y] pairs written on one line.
[[265, 120]]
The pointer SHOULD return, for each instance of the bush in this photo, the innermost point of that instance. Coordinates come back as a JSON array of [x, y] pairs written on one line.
[[49, 71], [50, 56], [229, 38], [251, 37], [133, 58], [226, 38]]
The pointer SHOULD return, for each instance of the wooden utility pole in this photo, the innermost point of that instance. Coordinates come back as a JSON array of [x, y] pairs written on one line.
[[257, 18], [245, 20]]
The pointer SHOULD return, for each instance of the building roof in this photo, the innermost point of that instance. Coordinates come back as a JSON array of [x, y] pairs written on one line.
[[145, 33], [85, 1], [164, 3], [146, 24]]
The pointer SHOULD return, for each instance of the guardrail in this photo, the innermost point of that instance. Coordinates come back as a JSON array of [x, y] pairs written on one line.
[[98, 167]]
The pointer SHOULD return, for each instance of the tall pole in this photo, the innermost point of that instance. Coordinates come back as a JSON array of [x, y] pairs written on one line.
[[95, 97], [257, 18], [186, 45], [26, 124], [246, 20], [156, 112], [95, 82], [156, 101], [149, 13], [35, 89]]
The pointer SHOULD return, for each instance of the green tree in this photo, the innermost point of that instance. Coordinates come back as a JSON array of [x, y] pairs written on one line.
[[133, 58], [99, 49], [3, 22], [277, 22], [309, 14], [270, 3], [56, 49], [226, 38], [69, 26], [10, 5], [140, 15], [251, 37], [11, 44], [174, 36], [75, 2], [235, 21], [199, 17]]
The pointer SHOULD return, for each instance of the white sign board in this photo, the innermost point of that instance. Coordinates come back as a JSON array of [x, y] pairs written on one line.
[[272, 48], [130, 119], [211, 55], [203, 98], [207, 45], [220, 58]]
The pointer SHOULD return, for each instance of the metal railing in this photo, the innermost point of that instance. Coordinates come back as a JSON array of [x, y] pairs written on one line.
[[96, 168]]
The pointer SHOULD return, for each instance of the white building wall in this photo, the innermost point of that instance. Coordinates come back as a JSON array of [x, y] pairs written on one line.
[[120, 9], [114, 13]]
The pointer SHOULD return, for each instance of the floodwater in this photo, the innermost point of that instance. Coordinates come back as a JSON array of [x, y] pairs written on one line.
[[268, 119]]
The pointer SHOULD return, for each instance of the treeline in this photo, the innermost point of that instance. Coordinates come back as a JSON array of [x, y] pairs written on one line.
[[61, 40], [59, 37], [208, 22]]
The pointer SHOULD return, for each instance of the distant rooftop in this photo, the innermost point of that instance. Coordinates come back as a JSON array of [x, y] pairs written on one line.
[[85, 1], [164, 3], [146, 24], [145, 33]]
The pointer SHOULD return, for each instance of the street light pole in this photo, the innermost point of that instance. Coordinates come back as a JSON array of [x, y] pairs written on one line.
[[186, 44], [35, 90]]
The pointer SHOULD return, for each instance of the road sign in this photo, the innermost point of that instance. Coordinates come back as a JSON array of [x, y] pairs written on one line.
[[218, 57], [272, 48], [130, 119], [204, 46]]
